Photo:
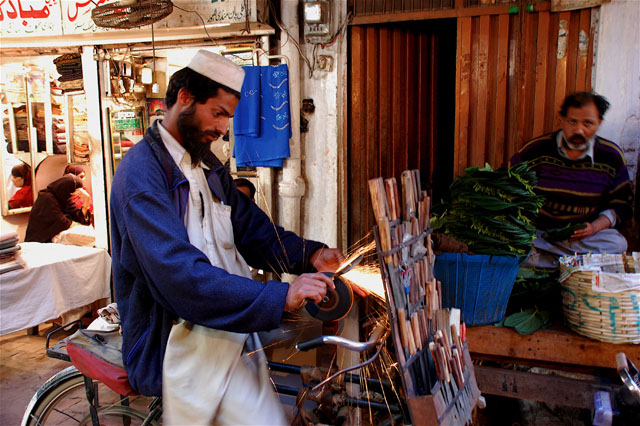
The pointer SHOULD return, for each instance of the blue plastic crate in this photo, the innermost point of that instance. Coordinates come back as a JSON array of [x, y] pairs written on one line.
[[479, 285]]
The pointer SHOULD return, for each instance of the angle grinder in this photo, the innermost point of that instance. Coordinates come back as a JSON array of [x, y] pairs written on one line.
[[337, 303]]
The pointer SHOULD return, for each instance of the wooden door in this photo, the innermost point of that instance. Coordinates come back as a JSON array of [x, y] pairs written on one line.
[[401, 92], [514, 71]]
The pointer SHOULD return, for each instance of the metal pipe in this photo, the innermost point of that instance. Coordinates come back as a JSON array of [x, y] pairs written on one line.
[[342, 342], [292, 186]]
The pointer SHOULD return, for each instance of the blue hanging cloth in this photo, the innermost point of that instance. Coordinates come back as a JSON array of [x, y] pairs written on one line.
[[271, 145], [246, 120]]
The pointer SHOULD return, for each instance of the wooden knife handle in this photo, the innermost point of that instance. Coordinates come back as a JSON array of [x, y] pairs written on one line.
[[391, 199], [378, 197], [385, 236]]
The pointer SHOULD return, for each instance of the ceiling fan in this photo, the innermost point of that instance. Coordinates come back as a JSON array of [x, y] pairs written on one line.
[[126, 14]]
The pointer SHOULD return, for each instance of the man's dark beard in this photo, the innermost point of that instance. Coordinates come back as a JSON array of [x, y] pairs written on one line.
[[576, 142], [193, 139]]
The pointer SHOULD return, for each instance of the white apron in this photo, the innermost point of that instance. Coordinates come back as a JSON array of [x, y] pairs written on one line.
[[206, 379]]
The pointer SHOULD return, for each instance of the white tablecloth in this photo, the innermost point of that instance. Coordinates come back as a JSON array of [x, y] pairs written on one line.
[[58, 278]]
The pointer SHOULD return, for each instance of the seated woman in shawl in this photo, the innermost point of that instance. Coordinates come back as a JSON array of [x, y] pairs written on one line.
[[21, 178], [54, 210]]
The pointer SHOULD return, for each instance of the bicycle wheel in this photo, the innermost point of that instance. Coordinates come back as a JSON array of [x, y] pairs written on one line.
[[62, 400], [118, 414]]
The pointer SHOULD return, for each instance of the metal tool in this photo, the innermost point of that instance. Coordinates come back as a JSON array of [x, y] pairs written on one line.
[[336, 304], [629, 374], [349, 264]]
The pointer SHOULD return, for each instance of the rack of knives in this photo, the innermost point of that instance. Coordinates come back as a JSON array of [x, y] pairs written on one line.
[[430, 341]]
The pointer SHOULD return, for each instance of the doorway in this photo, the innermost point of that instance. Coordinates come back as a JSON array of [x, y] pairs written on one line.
[[401, 109]]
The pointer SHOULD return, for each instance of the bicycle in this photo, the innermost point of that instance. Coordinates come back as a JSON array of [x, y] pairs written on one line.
[[69, 396]]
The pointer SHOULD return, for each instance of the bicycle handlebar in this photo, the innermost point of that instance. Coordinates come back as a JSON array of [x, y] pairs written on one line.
[[341, 341]]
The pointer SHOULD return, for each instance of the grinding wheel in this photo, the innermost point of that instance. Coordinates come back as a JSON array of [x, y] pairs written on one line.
[[336, 304]]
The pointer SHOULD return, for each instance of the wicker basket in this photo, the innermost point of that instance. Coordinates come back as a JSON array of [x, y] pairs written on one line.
[[593, 311]]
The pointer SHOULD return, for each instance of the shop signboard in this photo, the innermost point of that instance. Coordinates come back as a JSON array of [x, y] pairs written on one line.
[[127, 121], [23, 18]]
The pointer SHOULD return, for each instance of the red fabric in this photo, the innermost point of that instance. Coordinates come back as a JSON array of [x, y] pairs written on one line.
[[77, 200], [22, 198], [92, 366]]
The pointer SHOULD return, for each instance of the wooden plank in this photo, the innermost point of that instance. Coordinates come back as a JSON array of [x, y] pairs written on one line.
[[384, 86], [398, 103], [502, 69], [358, 204], [551, 346], [552, 62], [492, 82], [411, 143], [461, 12], [584, 41], [473, 94], [563, 5], [371, 88], [433, 112], [561, 63], [572, 51], [566, 392], [527, 73], [426, 111], [540, 101], [593, 24], [463, 82], [479, 142], [513, 92]]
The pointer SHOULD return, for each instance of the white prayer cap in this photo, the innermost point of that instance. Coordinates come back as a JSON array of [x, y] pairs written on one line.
[[218, 68]]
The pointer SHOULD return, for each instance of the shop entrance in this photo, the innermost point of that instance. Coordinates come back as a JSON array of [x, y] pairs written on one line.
[[401, 109]]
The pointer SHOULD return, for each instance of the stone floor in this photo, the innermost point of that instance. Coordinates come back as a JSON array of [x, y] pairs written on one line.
[[24, 367]]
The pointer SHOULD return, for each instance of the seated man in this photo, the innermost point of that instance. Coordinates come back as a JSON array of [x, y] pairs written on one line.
[[584, 180], [246, 187]]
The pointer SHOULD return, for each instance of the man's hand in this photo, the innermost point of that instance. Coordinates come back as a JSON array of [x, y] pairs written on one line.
[[327, 260], [307, 286], [602, 222]]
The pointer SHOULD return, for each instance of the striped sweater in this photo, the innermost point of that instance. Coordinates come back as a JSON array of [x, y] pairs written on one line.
[[578, 191]]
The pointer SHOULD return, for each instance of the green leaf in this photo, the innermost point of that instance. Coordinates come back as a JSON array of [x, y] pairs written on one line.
[[528, 321], [518, 318], [562, 234]]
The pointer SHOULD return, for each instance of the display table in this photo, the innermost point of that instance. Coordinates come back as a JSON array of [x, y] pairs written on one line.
[[57, 279], [590, 365], [77, 235]]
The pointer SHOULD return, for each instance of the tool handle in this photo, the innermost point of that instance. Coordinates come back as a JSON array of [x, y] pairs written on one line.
[[391, 199], [385, 236], [378, 197], [312, 343], [621, 361]]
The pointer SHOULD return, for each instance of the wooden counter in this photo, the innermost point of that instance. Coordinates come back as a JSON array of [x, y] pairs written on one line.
[[556, 351]]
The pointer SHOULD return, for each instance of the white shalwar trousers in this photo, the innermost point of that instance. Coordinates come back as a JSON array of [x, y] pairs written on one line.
[[219, 385]]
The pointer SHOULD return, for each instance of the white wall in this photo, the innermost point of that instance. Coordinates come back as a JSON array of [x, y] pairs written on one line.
[[323, 142], [617, 75]]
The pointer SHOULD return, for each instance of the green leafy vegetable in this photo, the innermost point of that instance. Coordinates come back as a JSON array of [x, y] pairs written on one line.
[[492, 211], [562, 234]]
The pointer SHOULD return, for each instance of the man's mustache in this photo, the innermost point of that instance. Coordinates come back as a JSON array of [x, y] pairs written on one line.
[[214, 135], [577, 139]]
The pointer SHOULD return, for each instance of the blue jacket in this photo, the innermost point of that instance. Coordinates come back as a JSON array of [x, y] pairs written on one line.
[[159, 276]]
